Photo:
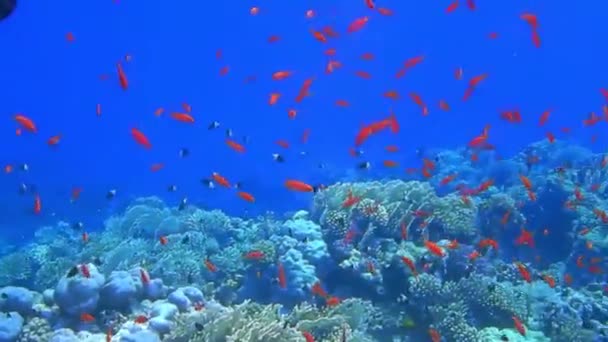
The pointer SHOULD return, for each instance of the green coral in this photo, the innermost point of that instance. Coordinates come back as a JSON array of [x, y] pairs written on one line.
[[451, 321], [425, 288], [457, 217], [335, 223], [50, 272], [143, 218], [246, 322], [35, 330], [496, 302], [14, 267], [356, 314]]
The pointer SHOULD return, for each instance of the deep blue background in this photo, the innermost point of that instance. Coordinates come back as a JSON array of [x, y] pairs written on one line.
[[173, 45]]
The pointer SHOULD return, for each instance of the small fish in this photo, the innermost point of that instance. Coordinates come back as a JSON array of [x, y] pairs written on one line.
[[364, 166], [199, 326], [77, 225], [85, 317], [23, 188], [229, 133], [278, 158], [72, 272], [172, 188], [111, 194], [186, 239], [182, 204], [208, 183], [24, 167], [97, 261], [213, 125], [184, 152], [141, 319]]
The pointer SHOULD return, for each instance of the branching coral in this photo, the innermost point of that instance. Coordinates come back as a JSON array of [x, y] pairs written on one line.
[[451, 321], [246, 322], [14, 267], [457, 217], [143, 218], [36, 330], [493, 303]]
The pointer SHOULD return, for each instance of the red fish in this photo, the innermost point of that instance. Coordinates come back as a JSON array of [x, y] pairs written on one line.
[[308, 336], [210, 266], [144, 276], [434, 248], [122, 77], [141, 319], [357, 24], [37, 205], [281, 276], [254, 255], [86, 317], [296, 185], [141, 138], [410, 264], [519, 326], [523, 271], [26, 123], [525, 238], [84, 269]]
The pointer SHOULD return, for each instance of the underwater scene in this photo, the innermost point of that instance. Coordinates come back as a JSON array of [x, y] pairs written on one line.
[[301, 171]]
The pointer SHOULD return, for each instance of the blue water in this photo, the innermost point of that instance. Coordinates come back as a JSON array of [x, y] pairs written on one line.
[[173, 46]]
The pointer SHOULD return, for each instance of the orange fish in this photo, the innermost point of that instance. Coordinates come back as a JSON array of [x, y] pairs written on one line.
[[85, 237], [385, 11], [221, 180], [319, 36], [182, 117], [281, 276], [140, 138], [157, 167], [246, 196], [70, 37], [357, 24], [26, 123], [281, 75], [235, 146], [163, 240], [452, 7], [86, 317], [210, 266], [434, 248], [296, 185], [274, 98], [523, 271], [98, 109], [54, 140], [122, 77], [519, 326], [37, 205]]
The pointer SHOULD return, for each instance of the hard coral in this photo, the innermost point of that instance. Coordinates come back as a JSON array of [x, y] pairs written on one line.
[[457, 218], [35, 330]]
